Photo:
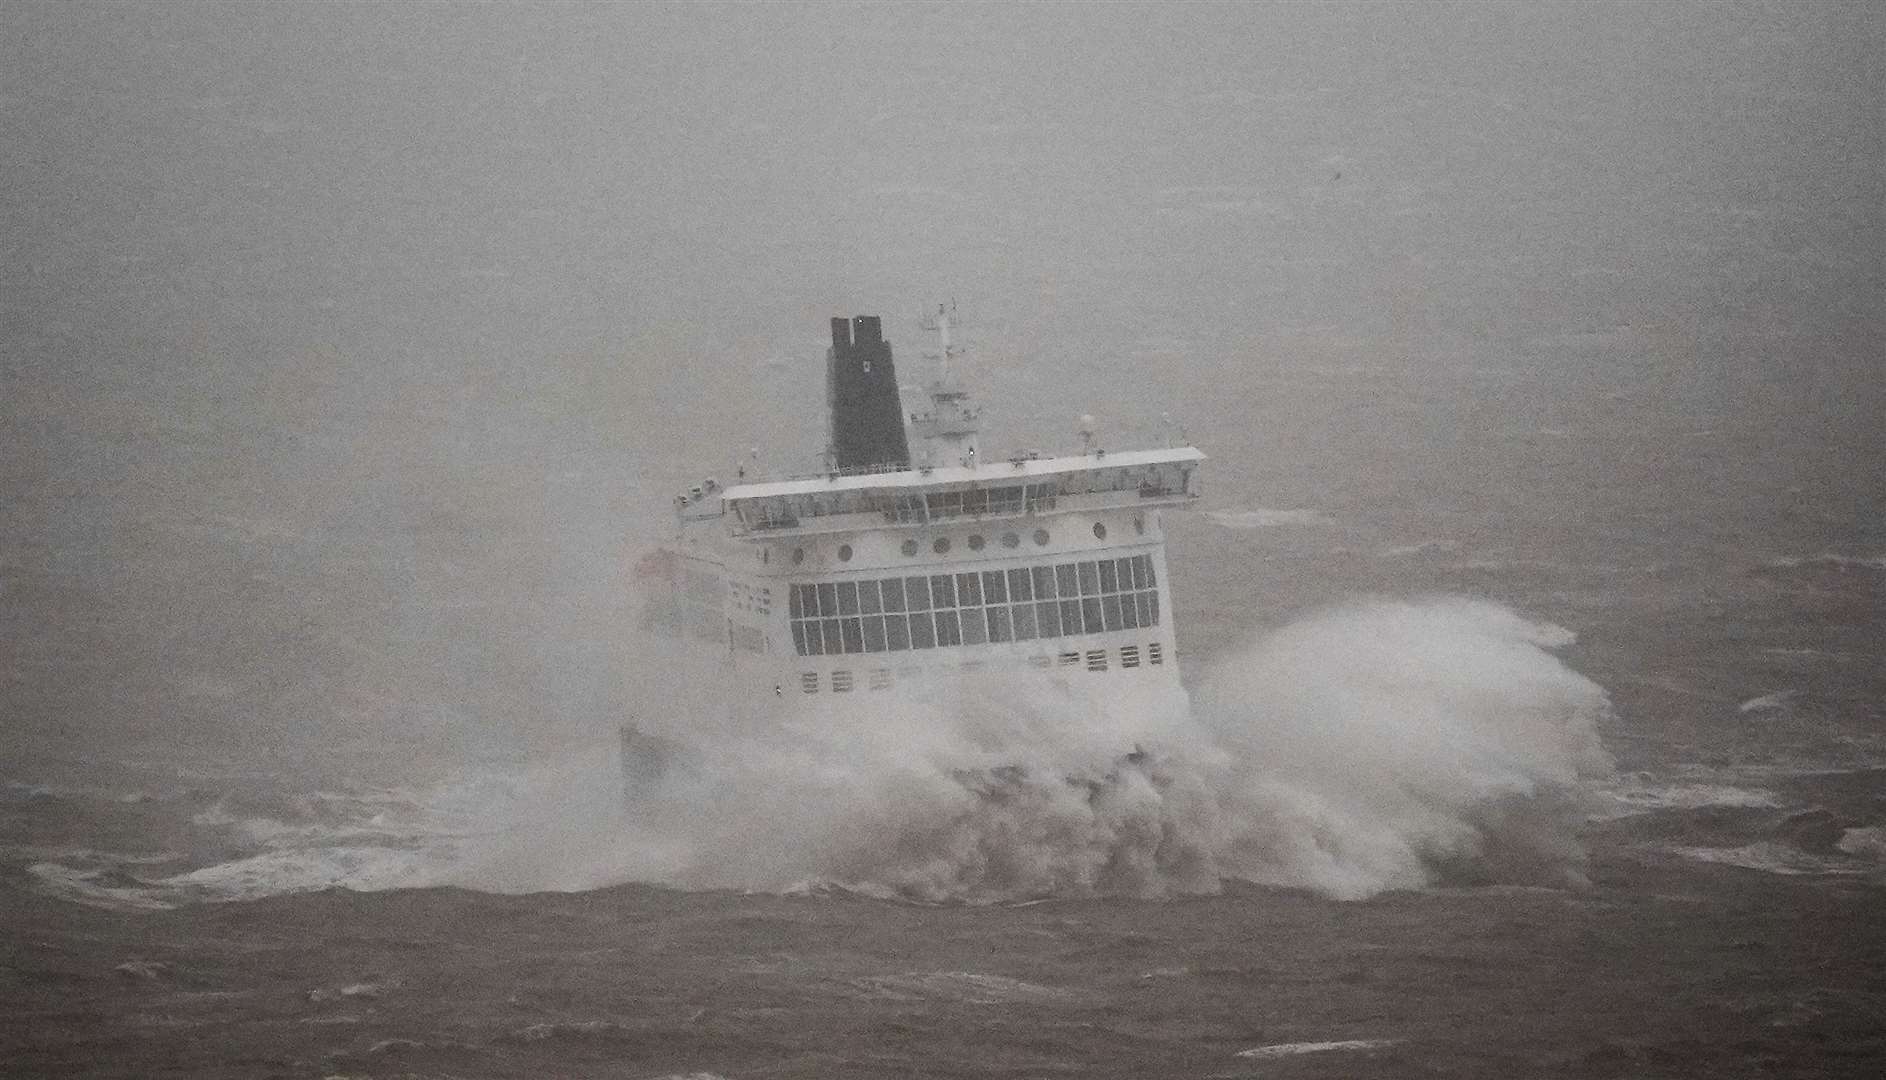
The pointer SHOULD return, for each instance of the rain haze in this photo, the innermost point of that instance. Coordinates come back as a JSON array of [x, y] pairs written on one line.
[[350, 356]]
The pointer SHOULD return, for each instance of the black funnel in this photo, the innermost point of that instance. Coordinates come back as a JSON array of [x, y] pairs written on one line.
[[867, 416]]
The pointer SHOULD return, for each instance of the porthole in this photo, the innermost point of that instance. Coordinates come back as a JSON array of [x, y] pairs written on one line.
[[942, 545], [910, 547], [844, 553], [976, 541], [1100, 531], [798, 556], [1010, 540], [1041, 538]]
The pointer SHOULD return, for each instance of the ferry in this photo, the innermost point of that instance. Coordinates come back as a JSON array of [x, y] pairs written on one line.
[[913, 559]]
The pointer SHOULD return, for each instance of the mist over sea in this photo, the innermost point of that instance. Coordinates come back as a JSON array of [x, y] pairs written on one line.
[[1533, 626]]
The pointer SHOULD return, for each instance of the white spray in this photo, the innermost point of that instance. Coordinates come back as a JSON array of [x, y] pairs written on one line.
[[1379, 746]]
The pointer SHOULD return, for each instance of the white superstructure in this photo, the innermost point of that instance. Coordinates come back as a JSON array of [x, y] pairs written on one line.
[[857, 581]]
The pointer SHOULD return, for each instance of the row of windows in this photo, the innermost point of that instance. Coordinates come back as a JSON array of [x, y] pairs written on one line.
[[785, 511], [1128, 656], [975, 502], [942, 544], [974, 608]]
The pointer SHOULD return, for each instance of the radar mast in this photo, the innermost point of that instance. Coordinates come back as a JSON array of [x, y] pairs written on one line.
[[949, 427]]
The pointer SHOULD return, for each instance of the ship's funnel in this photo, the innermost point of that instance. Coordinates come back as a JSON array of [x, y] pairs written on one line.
[[867, 416]]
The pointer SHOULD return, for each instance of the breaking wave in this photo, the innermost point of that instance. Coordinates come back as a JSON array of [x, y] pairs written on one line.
[[1378, 746]]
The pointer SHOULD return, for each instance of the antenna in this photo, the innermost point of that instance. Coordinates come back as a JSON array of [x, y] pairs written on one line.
[[941, 322]]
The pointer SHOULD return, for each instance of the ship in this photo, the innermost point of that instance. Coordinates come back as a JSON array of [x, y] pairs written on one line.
[[912, 560]]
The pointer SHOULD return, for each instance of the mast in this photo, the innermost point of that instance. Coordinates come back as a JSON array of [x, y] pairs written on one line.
[[947, 431]]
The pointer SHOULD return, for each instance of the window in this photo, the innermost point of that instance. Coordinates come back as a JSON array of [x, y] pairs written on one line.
[[948, 629], [974, 628], [1048, 619], [1018, 584], [1044, 582], [1024, 617], [969, 589], [945, 504], [999, 628], [1071, 617], [922, 631], [906, 510]]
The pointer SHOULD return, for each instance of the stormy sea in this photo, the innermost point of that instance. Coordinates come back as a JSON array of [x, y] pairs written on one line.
[[1532, 623], [1391, 837]]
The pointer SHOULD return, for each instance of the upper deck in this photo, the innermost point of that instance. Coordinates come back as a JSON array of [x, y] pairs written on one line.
[[918, 496]]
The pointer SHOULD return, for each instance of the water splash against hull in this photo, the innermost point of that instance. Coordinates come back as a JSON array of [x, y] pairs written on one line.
[[1387, 745]]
